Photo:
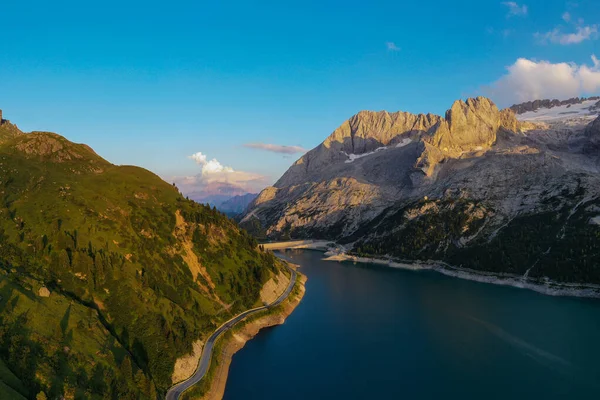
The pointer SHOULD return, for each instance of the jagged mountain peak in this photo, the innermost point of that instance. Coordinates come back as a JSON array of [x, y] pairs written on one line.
[[480, 107], [474, 103], [470, 125], [367, 130], [8, 131]]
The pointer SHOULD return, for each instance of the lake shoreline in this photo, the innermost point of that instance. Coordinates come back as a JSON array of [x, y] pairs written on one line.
[[546, 287], [322, 245], [240, 335]]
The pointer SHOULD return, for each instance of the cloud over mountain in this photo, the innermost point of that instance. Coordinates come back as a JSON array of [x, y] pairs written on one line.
[[529, 80], [209, 167], [217, 179], [276, 148]]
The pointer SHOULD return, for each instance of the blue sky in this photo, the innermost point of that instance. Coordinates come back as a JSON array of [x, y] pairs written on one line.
[[153, 83]]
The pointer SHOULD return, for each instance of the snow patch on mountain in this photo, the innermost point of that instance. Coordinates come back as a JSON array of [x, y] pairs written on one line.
[[586, 109], [352, 157], [404, 142]]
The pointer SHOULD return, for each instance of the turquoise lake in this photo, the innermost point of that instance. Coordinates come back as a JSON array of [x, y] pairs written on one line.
[[370, 332]]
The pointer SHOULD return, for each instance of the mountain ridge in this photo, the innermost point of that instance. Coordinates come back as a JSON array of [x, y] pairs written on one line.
[[107, 273], [485, 170], [237, 204], [548, 103], [447, 136]]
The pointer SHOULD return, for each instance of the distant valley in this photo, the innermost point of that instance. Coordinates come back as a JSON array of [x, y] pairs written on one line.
[[231, 206]]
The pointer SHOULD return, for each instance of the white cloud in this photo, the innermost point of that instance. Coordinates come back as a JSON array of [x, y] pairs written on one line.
[[209, 167], [530, 80], [515, 9], [215, 178], [276, 148], [392, 46], [556, 36], [566, 16], [199, 158]]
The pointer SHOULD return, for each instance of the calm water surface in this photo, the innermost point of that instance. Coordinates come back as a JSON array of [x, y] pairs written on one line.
[[369, 332]]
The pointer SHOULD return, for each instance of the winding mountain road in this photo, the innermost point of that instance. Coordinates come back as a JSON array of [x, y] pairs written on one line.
[[175, 391]]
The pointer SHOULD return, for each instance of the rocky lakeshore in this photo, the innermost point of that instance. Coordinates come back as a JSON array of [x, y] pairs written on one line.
[[544, 286]]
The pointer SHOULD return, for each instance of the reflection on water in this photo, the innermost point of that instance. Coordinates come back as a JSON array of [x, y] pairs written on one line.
[[365, 331]]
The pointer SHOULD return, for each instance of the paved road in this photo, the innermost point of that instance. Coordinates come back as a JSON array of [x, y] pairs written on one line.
[[175, 391]]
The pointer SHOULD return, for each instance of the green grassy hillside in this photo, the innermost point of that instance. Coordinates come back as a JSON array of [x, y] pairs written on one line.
[[135, 272]]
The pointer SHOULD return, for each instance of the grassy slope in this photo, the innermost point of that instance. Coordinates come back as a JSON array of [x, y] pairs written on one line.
[[124, 304], [11, 387]]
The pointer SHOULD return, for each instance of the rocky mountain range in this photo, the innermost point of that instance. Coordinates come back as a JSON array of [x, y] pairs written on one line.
[[480, 188], [237, 204], [229, 204]]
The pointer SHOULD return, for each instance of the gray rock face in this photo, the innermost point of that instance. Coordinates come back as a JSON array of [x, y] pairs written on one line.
[[424, 186], [593, 134], [468, 126], [363, 133]]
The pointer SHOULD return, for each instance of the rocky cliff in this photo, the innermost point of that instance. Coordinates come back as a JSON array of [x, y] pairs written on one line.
[[593, 133], [478, 187], [468, 126]]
